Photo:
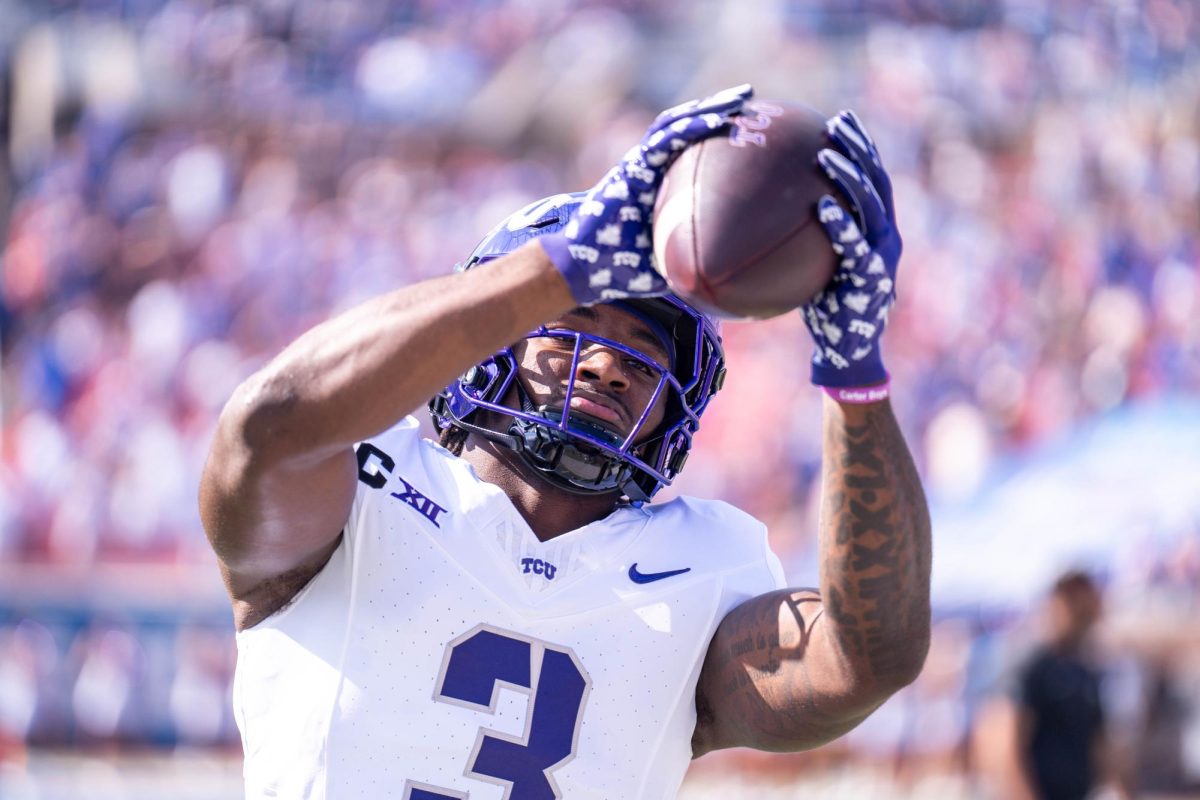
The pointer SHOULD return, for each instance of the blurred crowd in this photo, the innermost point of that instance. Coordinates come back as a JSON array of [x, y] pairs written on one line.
[[189, 184], [94, 682]]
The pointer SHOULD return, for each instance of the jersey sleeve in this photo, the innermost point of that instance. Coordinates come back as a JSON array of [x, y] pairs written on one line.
[[761, 574], [726, 540]]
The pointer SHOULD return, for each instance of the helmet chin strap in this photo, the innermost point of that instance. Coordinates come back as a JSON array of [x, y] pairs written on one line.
[[514, 443], [559, 460], [569, 465]]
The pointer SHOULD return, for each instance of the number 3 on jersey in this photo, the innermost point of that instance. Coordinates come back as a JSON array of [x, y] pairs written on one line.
[[475, 666]]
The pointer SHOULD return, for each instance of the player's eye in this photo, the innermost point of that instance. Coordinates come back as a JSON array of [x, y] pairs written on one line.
[[640, 366], [561, 341]]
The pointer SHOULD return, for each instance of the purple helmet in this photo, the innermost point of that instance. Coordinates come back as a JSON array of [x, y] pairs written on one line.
[[570, 450]]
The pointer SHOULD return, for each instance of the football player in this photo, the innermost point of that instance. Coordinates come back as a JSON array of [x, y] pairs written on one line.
[[507, 613]]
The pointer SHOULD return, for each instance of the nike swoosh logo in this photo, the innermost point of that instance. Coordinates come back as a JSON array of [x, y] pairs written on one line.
[[650, 577]]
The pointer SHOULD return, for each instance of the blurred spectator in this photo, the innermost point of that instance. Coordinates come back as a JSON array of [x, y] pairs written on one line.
[[1162, 748], [201, 708], [199, 182], [109, 661], [24, 655], [1046, 738], [1157, 621], [186, 185]]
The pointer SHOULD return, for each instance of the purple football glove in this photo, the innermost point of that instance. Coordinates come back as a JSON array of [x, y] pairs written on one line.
[[847, 318], [607, 251]]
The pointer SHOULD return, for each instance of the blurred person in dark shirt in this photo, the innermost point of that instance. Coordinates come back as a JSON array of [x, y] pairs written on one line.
[[1044, 737]]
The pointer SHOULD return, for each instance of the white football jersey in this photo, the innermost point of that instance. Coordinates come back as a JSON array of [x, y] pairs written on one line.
[[445, 652]]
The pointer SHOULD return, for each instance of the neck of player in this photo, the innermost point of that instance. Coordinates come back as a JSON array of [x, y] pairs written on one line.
[[548, 510]]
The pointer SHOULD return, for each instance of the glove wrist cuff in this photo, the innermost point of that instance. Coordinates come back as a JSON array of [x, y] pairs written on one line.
[[868, 372], [860, 395]]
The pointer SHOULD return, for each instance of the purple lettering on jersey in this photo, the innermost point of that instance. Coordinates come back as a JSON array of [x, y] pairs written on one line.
[[539, 567], [420, 502]]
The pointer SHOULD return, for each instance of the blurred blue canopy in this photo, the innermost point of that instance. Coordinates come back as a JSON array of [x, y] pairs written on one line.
[[1128, 482]]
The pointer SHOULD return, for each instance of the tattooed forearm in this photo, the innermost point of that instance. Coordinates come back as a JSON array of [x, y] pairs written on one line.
[[875, 544], [795, 668]]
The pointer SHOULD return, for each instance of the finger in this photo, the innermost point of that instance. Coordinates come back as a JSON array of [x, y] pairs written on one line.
[[848, 132], [675, 136], [647, 164], [726, 101], [868, 207], [690, 129], [844, 235], [847, 129]]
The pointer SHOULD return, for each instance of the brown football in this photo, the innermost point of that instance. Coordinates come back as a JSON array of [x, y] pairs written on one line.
[[735, 223]]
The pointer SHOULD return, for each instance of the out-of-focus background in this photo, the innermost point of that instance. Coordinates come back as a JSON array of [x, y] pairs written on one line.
[[186, 185]]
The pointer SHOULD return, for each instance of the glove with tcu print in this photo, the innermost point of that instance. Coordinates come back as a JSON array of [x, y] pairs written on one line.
[[606, 252], [847, 318]]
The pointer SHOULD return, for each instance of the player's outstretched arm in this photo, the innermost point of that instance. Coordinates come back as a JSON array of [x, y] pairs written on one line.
[[793, 669], [281, 474], [796, 668]]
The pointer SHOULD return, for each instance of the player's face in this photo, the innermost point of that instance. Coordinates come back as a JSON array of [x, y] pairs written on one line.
[[611, 387]]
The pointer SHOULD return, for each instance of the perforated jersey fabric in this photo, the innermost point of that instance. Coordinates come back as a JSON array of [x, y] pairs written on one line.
[[444, 651]]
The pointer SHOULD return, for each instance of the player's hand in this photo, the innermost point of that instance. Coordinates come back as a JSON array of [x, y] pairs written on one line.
[[607, 251], [847, 318]]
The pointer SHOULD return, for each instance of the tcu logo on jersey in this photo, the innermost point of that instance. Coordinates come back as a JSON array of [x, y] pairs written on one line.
[[539, 567], [373, 463]]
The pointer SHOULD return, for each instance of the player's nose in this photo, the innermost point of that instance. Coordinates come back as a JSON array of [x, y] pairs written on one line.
[[602, 365]]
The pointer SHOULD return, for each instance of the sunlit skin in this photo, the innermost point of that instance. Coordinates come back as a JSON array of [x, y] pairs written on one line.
[[611, 387]]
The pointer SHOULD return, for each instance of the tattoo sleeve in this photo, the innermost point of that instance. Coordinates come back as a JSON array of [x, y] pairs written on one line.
[[795, 668], [874, 544]]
